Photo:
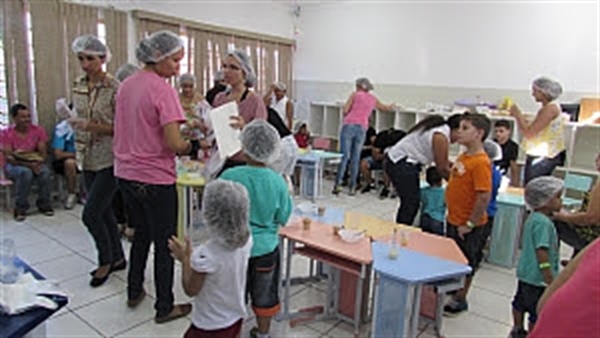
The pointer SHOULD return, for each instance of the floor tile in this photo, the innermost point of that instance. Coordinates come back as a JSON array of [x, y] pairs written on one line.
[[174, 329], [496, 282], [49, 251], [69, 325], [26, 236], [55, 269], [471, 325], [81, 293], [490, 305]]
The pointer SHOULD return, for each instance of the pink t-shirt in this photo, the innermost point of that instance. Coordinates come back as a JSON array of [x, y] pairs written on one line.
[[145, 104], [574, 309], [361, 108], [26, 143]]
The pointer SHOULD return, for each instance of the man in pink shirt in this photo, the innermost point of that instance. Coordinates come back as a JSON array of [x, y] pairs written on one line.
[[25, 150]]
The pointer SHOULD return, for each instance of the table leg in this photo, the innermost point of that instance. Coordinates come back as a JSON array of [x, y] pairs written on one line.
[[288, 272], [358, 300], [414, 318]]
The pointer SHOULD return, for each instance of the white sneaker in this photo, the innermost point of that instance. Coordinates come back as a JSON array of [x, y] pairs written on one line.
[[71, 200]]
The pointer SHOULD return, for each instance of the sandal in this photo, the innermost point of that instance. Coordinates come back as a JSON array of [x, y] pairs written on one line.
[[180, 310]]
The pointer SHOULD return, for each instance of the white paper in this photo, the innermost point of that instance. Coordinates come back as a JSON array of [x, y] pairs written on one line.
[[228, 139]]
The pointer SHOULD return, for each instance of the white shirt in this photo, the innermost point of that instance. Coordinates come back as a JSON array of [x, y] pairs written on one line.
[[417, 146], [220, 302], [280, 107]]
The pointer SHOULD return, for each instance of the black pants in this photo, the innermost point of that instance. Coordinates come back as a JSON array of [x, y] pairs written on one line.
[[98, 215], [536, 166], [153, 213], [118, 205], [405, 178], [566, 233]]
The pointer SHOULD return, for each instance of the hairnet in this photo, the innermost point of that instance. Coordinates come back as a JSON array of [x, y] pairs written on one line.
[[158, 46], [219, 76], [260, 141], [541, 190], [280, 85], [90, 45], [226, 208], [493, 150], [364, 83], [246, 63], [187, 78], [298, 125], [549, 87], [126, 71]]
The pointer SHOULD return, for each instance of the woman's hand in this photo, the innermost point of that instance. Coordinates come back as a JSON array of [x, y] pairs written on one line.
[[180, 250], [237, 122], [559, 215], [79, 124], [514, 110]]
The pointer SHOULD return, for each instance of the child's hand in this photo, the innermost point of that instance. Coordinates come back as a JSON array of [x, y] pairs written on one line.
[[463, 230], [180, 250]]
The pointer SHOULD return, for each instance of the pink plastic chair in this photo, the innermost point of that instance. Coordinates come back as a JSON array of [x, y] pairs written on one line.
[[321, 143]]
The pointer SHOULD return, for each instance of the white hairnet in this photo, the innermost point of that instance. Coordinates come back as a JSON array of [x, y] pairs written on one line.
[[219, 76], [187, 78], [226, 209], [280, 85], [90, 45], [288, 155], [493, 150], [541, 190], [260, 141], [246, 62], [364, 83], [298, 125], [62, 109], [549, 87], [126, 71], [158, 46]]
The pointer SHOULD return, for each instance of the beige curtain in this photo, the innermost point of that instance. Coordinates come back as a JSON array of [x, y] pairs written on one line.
[[200, 59], [286, 62], [116, 37], [50, 55], [269, 65], [15, 52], [147, 27]]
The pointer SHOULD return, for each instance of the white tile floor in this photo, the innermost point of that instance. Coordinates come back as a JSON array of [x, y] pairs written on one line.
[[61, 249]]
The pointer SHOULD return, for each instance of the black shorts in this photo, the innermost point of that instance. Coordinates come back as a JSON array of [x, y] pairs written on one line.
[[59, 166], [471, 246], [262, 285], [527, 298]]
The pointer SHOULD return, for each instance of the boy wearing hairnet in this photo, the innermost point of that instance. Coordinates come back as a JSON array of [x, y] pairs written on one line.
[[270, 208], [214, 273], [538, 263]]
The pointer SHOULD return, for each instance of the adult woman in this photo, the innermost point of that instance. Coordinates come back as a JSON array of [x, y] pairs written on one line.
[[188, 96], [239, 75], [277, 99], [357, 111], [425, 143], [578, 229], [93, 98], [543, 138], [147, 138]]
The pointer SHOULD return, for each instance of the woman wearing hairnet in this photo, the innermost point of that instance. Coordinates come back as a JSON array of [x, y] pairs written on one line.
[[215, 272], [357, 111], [240, 77], [277, 99], [93, 98], [125, 71], [147, 139], [270, 208], [543, 138]]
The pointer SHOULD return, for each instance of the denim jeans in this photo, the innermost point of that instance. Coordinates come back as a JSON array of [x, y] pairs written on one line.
[[352, 139], [536, 166], [153, 214], [405, 178], [23, 178], [98, 215]]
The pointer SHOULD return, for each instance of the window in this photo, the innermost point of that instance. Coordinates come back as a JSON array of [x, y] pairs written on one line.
[[3, 90], [185, 64], [30, 56], [102, 37], [276, 63]]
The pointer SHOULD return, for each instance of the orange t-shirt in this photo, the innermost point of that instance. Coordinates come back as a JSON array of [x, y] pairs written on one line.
[[470, 174]]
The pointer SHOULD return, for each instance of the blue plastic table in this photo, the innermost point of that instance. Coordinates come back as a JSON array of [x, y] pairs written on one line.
[[311, 177], [398, 293], [16, 326]]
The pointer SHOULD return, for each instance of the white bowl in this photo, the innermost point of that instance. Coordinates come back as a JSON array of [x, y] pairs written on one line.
[[351, 236], [307, 208]]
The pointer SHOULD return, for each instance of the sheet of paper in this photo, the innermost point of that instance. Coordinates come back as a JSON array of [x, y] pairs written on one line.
[[228, 139]]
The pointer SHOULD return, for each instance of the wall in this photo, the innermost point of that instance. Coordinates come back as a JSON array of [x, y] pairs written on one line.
[[439, 52]]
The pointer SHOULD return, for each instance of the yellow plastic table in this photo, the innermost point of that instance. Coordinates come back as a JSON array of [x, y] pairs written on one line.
[[186, 185]]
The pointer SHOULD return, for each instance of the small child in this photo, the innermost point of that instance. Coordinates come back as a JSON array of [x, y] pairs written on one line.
[[301, 134], [467, 197], [214, 273], [538, 263], [433, 205], [270, 208], [510, 152]]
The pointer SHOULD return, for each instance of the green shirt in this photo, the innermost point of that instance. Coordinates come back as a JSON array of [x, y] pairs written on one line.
[[270, 204], [539, 232]]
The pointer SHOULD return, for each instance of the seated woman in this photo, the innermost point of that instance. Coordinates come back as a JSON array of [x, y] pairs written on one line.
[[578, 229]]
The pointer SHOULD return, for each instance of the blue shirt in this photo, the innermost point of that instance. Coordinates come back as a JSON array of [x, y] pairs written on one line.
[[496, 180], [538, 233], [270, 204], [62, 139], [433, 203]]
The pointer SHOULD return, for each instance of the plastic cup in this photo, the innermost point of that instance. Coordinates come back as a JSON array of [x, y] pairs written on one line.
[[306, 223]]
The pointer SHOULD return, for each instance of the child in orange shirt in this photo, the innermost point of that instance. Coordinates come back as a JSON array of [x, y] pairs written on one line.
[[467, 197]]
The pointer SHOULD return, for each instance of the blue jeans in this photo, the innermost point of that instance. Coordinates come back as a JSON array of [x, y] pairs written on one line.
[[98, 215], [152, 210], [352, 139], [536, 166], [23, 178]]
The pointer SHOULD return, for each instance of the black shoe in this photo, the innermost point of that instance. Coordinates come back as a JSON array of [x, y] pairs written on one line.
[[336, 190], [367, 188], [97, 281], [132, 303], [19, 214], [518, 333], [46, 210], [113, 268], [455, 307], [385, 192]]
